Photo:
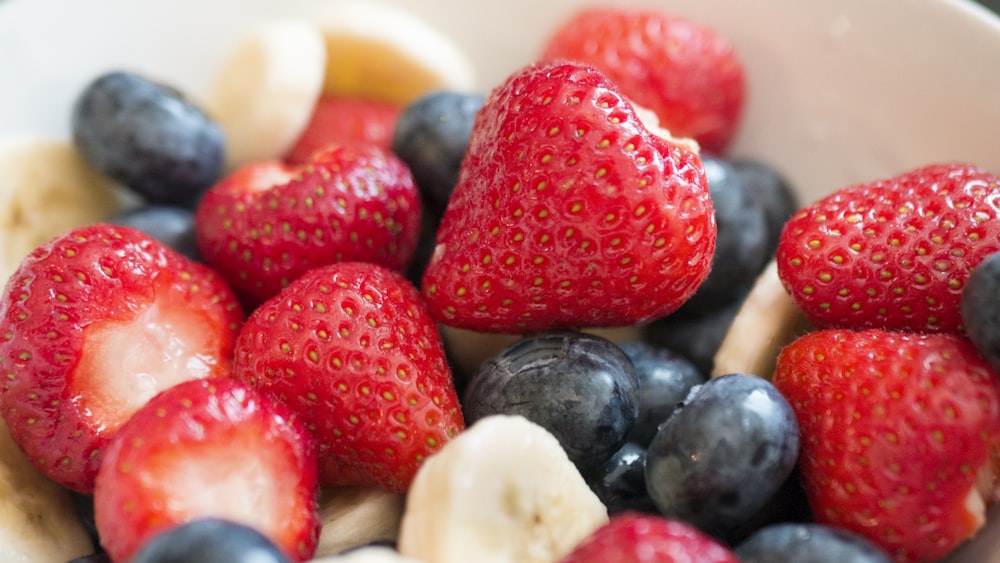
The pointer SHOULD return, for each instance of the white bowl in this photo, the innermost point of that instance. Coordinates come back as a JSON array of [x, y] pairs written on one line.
[[839, 92]]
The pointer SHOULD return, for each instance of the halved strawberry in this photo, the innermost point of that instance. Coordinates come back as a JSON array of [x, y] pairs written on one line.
[[569, 212], [687, 73], [268, 223], [92, 325], [342, 120], [900, 435], [209, 448], [352, 348]]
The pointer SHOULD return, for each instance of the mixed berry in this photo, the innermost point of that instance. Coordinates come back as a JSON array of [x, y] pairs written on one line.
[[202, 368]]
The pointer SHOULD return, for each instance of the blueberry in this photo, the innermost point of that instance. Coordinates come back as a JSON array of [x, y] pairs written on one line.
[[741, 249], [430, 137], [772, 192], [981, 308], [808, 543], [789, 504], [665, 379], [580, 387], [723, 454], [696, 337], [148, 137], [173, 226], [620, 482], [210, 540]]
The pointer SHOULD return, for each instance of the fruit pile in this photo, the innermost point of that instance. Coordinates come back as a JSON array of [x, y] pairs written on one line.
[[345, 308]]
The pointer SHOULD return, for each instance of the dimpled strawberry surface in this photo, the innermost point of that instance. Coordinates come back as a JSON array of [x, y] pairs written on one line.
[[292, 385]]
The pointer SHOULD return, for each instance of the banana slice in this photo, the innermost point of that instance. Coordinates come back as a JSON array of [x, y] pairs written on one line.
[[357, 516], [45, 189], [503, 491], [37, 520], [368, 555], [264, 93], [384, 52], [767, 321]]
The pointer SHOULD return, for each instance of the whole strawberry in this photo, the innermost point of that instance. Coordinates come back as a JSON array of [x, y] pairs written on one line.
[[631, 537], [209, 449], [92, 325], [267, 223], [900, 435], [686, 73], [352, 348], [345, 120], [893, 253], [568, 212]]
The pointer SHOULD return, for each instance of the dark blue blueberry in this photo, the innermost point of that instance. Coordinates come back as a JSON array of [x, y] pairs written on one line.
[[696, 337], [580, 387], [665, 379], [620, 482], [981, 308], [808, 543], [148, 137], [430, 137], [788, 505], [173, 226], [723, 454], [773, 193], [210, 540], [741, 249]]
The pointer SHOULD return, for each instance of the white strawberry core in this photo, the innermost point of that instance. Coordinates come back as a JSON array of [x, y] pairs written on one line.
[[123, 364]]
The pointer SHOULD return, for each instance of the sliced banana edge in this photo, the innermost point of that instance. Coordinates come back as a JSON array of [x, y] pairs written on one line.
[[502, 491], [373, 554], [767, 321], [386, 52], [37, 520], [357, 516], [46, 188], [265, 90]]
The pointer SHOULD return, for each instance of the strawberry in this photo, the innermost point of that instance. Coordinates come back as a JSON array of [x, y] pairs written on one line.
[[688, 74], [631, 537], [93, 324], [345, 121], [352, 348], [892, 253], [900, 435], [268, 223], [209, 448], [568, 212]]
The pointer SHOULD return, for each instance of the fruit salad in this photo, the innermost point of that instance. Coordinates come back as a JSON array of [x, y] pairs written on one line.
[[343, 304]]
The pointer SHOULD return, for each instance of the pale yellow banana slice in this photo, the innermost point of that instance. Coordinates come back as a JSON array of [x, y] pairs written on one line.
[[503, 491], [45, 189], [767, 321], [385, 52], [37, 520], [357, 516], [368, 555], [264, 93]]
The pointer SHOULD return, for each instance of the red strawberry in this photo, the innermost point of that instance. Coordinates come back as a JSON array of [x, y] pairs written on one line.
[[345, 121], [638, 538], [214, 448], [267, 223], [894, 253], [93, 324], [352, 348], [900, 435], [687, 74], [568, 212]]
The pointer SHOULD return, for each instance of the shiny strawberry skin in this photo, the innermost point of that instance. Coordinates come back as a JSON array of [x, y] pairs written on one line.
[[897, 430], [894, 253], [352, 348], [686, 73], [638, 538], [92, 325], [268, 223], [568, 213], [341, 120], [209, 448]]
